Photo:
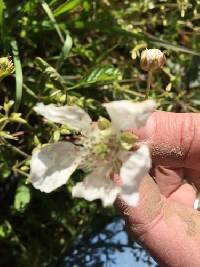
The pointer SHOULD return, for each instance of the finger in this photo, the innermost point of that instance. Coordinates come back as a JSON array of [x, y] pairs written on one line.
[[168, 180], [150, 201], [185, 195], [173, 139], [172, 185], [169, 231]]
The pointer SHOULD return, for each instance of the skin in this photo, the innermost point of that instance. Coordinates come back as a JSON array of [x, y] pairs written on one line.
[[164, 221]]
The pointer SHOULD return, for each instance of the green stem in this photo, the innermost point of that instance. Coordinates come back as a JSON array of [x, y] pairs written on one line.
[[4, 124], [17, 150], [149, 81], [20, 163], [21, 172]]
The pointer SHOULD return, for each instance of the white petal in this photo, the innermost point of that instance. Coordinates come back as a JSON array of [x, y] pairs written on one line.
[[97, 185], [133, 170], [73, 116], [126, 114], [52, 166], [131, 199]]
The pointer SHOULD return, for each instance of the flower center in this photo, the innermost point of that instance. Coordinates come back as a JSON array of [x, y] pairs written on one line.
[[100, 147], [103, 145]]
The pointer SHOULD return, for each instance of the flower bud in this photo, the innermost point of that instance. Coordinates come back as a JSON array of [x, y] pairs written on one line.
[[6, 67], [103, 124], [127, 140], [152, 59]]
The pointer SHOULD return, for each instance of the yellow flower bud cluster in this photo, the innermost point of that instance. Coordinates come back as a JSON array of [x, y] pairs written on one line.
[[6, 67], [152, 59]]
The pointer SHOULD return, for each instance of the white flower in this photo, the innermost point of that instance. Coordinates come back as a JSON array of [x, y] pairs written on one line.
[[103, 149]]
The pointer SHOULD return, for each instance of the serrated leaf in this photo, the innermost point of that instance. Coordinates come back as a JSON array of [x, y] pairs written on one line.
[[101, 74], [22, 198], [50, 71]]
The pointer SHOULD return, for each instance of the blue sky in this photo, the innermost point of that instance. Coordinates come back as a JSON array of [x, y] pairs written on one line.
[[109, 248]]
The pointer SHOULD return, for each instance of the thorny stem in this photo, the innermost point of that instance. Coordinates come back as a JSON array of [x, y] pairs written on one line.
[[4, 124], [149, 81], [21, 172], [19, 164], [17, 150]]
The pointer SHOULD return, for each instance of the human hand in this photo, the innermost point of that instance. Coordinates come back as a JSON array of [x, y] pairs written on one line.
[[164, 221]]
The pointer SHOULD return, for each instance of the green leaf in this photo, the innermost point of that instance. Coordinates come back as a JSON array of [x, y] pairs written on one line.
[[5, 229], [2, 7], [170, 46], [22, 198], [65, 50], [18, 73], [49, 13], [7, 135], [101, 74], [16, 117], [66, 7], [50, 71]]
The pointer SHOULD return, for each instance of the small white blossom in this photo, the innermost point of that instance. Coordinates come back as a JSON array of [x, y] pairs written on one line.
[[104, 149]]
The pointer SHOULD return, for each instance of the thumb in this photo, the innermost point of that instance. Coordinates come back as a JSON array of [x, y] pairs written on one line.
[[173, 139], [149, 206], [170, 231]]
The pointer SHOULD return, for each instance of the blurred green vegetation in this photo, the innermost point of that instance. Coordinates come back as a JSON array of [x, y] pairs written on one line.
[[81, 52]]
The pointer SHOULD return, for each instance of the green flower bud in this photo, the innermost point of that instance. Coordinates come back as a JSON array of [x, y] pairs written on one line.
[[103, 124], [127, 140], [7, 106], [56, 136], [6, 67], [64, 130], [152, 59]]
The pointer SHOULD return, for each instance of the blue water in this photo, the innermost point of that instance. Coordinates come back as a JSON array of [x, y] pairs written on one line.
[[109, 248]]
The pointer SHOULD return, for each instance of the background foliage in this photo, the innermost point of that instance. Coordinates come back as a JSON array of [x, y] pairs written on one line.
[[79, 52]]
